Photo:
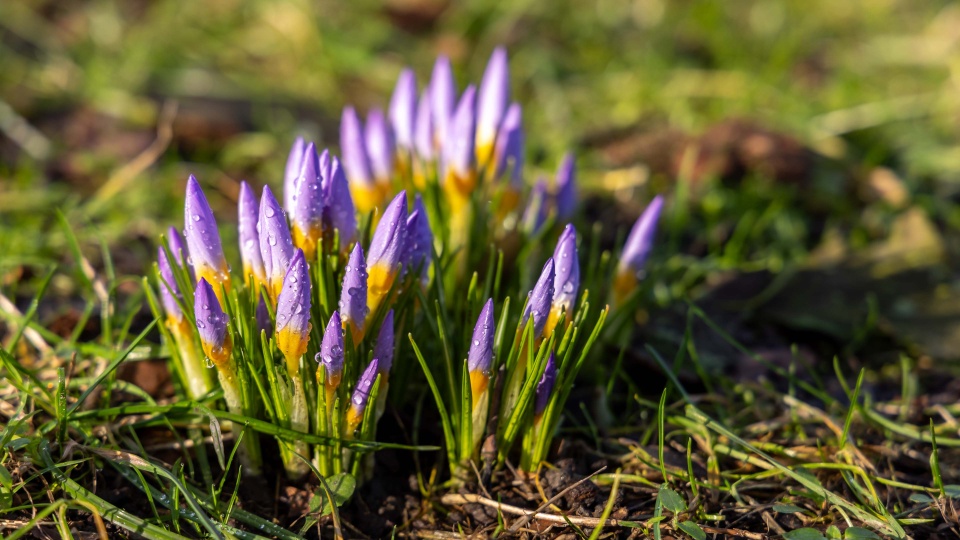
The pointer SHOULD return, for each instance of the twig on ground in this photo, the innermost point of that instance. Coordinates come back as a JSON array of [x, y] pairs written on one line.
[[526, 518]]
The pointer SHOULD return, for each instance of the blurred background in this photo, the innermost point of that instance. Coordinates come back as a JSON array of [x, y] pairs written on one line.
[[797, 138]]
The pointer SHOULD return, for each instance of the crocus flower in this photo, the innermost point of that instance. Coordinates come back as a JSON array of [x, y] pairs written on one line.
[[308, 205], [361, 395], [494, 93], [292, 173], [509, 145], [383, 349], [443, 97], [353, 296], [460, 176], [403, 110], [567, 279], [276, 246], [636, 250], [480, 354], [566, 196], [212, 325], [247, 215], [203, 239], [331, 357], [170, 293], [175, 243], [293, 313], [386, 251], [539, 299], [380, 148], [419, 245], [356, 162], [536, 212], [423, 128], [545, 388], [339, 212]]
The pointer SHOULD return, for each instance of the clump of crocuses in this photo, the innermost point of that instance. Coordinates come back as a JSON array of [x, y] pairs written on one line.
[[402, 251]]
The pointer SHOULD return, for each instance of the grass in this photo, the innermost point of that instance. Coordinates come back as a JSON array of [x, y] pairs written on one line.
[[792, 371]]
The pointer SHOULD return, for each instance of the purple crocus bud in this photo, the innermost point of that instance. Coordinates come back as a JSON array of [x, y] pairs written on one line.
[[567, 280], [387, 251], [637, 249], [361, 395], [545, 388], [480, 354], [356, 162], [403, 109], [247, 215], [566, 197], [175, 243], [380, 147], [169, 291], [419, 246], [308, 205], [494, 94], [276, 246], [536, 212], [539, 300], [423, 137], [509, 145], [353, 295], [339, 211], [264, 323], [212, 325], [383, 349], [458, 149], [292, 173], [331, 355], [293, 313], [203, 239], [443, 97]]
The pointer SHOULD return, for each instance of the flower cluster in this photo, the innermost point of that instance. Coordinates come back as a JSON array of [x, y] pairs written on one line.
[[436, 185]]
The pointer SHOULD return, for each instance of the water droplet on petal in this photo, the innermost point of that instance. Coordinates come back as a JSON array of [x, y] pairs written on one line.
[[270, 212], [196, 217], [208, 362]]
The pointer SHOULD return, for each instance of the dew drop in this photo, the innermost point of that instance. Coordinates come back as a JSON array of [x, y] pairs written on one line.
[[568, 287], [271, 239], [196, 217], [208, 362], [270, 212], [201, 325], [476, 343]]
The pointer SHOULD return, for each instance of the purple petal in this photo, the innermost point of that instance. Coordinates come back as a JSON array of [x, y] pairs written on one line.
[[539, 300], [203, 237], [566, 188], [458, 150], [247, 216], [353, 147], [494, 93], [545, 386], [480, 354], [292, 172], [383, 350], [567, 280], [640, 241], [387, 245], [380, 146], [403, 108]]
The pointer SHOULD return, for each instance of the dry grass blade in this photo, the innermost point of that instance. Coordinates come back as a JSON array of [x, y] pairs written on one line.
[[469, 498]]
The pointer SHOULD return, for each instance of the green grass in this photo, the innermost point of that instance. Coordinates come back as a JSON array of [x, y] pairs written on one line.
[[812, 401]]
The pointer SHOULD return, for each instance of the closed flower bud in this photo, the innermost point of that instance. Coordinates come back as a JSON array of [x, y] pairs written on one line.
[[169, 291], [536, 212], [380, 148], [331, 353], [567, 279], [356, 162], [419, 246], [494, 94], [353, 296], [545, 388], [509, 146], [459, 160], [636, 250], [276, 245], [540, 299], [308, 205], [247, 216], [212, 325], [387, 251], [339, 212], [203, 239], [423, 129], [480, 354], [360, 397], [293, 313], [443, 98], [403, 110], [383, 349]]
